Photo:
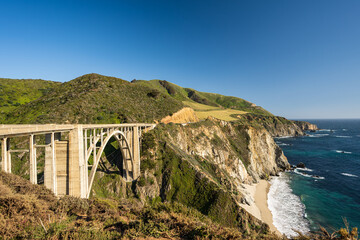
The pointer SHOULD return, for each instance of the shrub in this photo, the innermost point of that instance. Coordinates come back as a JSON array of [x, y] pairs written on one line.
[[72, 206]]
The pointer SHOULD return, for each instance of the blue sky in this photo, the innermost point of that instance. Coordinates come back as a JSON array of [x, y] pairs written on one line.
[[298, 59]]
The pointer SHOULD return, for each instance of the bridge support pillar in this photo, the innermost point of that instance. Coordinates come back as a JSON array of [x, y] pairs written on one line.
[[130, 172], [50, 173], [78, 172], [6, 155], [136, 153], [33, 165]]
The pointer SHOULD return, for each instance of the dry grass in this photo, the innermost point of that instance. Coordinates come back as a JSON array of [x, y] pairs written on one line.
[[29, 211], [22, 205], [223, 114], [204, 111], [198, 106]]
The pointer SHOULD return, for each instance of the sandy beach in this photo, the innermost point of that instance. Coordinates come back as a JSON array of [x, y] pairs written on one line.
[[258, 204]]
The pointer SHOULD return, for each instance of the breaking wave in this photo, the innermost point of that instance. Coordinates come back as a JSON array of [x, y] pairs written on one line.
[[341, 151], [349, 175], [307, 175], [287, 209], [305, 169], [326, 130], [319, 135], [283, 144]]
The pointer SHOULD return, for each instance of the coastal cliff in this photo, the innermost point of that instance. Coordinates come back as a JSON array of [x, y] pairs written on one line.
[[278, 126], [245, 153], [306, 126], [204, 165]]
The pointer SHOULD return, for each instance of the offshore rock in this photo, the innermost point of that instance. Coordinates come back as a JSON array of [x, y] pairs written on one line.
[[301, 165]]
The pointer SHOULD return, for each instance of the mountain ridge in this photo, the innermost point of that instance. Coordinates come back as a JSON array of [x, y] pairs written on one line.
[[91, 98]]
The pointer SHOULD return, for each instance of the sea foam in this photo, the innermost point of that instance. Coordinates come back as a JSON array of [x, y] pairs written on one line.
[[341, 151], [325, 130], [283, 144], [305, 169], [319, 135], [287, 209], [305, 174], [349, 175]]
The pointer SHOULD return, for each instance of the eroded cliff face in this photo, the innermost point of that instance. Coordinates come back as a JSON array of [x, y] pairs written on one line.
[[226, 154], [205, 164], [306, 126], [245, 153], [266, 157], [278, 126]]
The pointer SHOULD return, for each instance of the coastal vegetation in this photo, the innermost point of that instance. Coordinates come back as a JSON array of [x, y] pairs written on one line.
[[31, 211], [14, 92], [94, 98], [191, 178]]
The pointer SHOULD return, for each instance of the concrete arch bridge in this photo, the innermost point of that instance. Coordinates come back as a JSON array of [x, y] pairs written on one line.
[[73, 152]]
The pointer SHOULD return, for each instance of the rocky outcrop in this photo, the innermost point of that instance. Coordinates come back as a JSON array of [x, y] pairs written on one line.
[[266, 157], [278, 126], [306, 126], [185, 115]]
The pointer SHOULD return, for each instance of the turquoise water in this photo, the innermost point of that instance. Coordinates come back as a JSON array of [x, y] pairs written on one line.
[[329, 187]]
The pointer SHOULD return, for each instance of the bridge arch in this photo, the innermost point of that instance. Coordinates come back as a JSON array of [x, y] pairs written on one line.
[[125, 152]]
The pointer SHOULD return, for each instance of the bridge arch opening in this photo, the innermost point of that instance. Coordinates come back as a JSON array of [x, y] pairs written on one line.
[[126, 157]]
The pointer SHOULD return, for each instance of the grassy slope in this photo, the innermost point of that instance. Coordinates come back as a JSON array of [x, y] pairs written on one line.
[[14, 92], [94, 98], [206, 104], [30, 211]]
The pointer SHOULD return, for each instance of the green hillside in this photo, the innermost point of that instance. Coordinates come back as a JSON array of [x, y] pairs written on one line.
[[15, 92], [206, 104], [94, 98]]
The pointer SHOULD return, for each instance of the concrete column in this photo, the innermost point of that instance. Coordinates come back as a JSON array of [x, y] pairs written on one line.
[[78, 186], [48, 163], [94, 146], [85, 182], [9, 159], [4, 154], [136, 152], [125, 155], [62, 167], [50, 173], [33, 164], [128, 158], [53, 165]]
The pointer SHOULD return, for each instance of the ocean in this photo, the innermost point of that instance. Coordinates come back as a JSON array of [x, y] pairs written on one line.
[[327, 191]]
